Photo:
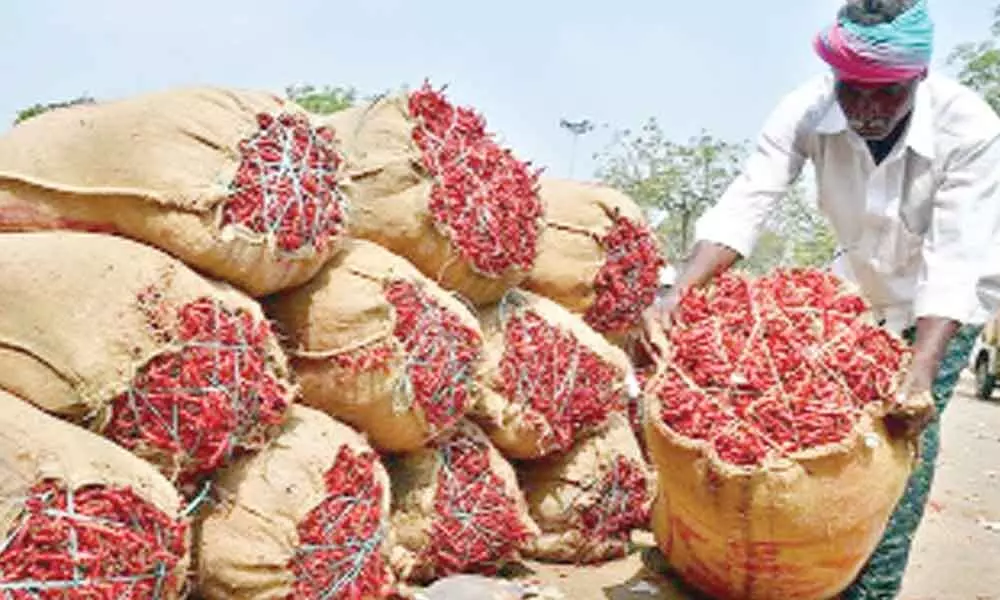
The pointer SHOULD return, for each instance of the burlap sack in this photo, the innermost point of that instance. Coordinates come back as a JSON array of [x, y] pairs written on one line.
[[400, 160], [548, 378], [56, 481], [456, 508], [597, 256], [589, 500], [110, 333], [401, 378], [307, 517], [239, 184], [795, 524]]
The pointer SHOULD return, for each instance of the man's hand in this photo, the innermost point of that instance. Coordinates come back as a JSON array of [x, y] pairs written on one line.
[[914, 408]]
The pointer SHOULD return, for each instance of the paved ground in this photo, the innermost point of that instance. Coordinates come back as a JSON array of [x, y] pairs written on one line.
[[957, 551]]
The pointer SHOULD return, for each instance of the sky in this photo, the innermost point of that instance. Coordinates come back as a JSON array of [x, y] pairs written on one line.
[[714, 65]]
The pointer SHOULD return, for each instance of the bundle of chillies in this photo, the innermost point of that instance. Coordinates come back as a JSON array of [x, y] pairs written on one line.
[[771, 366], [340, 541], [286, 186], [216, 395], [94, 541], [483, 198]]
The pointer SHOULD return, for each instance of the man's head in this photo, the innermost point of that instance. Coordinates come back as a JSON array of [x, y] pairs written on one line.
[[879, 51]]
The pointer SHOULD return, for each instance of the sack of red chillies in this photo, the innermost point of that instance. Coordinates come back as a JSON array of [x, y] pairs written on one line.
[[380, 346], [597, 256], [772, 423], [456, 508], [307, 517], [547, 379], [126, 340], [81, 517], [588, 501], [239, 184], [428, 182]]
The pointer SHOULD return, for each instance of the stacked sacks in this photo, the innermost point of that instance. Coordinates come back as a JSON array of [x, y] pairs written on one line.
[[377, 344], [124, 339], [307, 517], [429, 183], [597, 256], [239, 184], [81, 517], [774, 400]]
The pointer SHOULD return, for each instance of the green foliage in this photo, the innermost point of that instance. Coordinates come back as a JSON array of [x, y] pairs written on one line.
[[37, 109], [683, 180], [322, 101], [978, 64]]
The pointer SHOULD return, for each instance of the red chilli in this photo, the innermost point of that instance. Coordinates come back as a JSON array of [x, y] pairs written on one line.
[[775, 365], [566, 387], [620, 504], [217, 396], [340, 541], [286, 185], [483, 198], [476, 526], [93, 542]]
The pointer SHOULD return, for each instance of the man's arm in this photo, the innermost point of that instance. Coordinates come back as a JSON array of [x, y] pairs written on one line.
[[960, 250]]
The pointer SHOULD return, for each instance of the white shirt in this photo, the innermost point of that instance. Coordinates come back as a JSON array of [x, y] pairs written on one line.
[[920, 233]]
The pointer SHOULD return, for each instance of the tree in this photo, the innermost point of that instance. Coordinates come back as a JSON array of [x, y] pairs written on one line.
[[37, 109], [680, 179], [978, 64], [322, 101]]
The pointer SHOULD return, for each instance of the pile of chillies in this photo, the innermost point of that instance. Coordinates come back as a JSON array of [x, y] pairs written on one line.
[[620, 504], [92, 542], [286, 185], [772, 366], [483, 198], [191, 410], [562, 387], [626, 283], [476, 526], [340, 541]]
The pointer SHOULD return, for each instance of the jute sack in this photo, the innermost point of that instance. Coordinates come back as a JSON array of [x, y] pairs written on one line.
[[81, 517], [239, 184], [429, 183], [779, 444], [589, 500], [456, 508], [548, 378], [597, 256], [307, 517], [378, 345], [114, 335]]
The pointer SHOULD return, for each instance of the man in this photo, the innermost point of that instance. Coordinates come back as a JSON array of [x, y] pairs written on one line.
[[908, 173]]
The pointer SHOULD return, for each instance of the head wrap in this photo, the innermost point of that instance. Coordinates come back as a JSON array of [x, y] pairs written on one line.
[[881, 53]]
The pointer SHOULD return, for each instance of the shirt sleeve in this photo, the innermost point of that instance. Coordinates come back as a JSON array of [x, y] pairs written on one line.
[[739, 216], [960, 278]]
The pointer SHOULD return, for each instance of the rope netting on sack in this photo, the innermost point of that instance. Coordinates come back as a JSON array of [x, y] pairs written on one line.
[[286, 186], [96, 541], [562, 387], [620, 504], [476, 526], [626, 283], [217, 395], [483, 199], [340, 541], [433, 350], [772, 366]]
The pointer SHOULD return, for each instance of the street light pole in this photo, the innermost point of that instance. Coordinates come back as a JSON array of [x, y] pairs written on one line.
[[576, 129]]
